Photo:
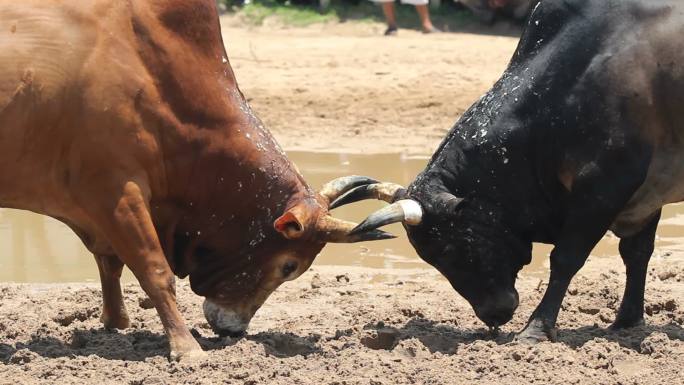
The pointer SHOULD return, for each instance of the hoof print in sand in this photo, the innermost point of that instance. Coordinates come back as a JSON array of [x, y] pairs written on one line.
[[386, 338], [656, 344], [66, 318], [288, 345], [668, 305]]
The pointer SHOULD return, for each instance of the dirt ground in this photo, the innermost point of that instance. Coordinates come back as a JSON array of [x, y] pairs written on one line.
[[345, 325], [346, 88]]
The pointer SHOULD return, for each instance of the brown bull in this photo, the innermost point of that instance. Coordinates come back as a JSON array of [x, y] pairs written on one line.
[[123, 120]]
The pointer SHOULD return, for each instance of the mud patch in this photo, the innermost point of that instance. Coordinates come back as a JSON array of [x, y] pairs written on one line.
[[287, 344]]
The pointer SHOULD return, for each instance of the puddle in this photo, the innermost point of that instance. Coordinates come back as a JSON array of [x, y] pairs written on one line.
[[36, 248]]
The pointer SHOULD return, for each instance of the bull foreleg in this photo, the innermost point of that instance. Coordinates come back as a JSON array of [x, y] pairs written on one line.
[[131, 232], [114, 313], [542, 323], [598, 194], [635, 252]]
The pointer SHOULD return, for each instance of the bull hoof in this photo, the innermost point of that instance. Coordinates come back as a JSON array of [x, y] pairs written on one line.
[[120, 322], [621, 324], [189, 356], [536, 332], [188, 352]]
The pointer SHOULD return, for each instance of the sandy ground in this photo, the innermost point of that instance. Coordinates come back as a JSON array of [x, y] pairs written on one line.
[[343, 325], [345, 88]]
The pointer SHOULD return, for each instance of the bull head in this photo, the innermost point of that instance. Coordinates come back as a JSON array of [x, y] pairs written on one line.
[[305, 227], [461, 238]]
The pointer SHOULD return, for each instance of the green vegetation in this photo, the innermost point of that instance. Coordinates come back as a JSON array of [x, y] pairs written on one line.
[[448, 15], [296, 15]]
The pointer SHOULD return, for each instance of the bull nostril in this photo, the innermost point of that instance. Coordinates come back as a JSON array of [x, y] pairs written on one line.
[[507, 304]]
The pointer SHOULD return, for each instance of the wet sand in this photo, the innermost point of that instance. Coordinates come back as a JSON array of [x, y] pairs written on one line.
[[346, 325]]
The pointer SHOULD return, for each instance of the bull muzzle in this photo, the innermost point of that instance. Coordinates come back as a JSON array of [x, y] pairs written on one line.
[[223, 321], [498, 310]]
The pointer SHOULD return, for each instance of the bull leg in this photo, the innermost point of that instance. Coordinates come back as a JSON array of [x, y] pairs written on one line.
[[114, 315], [597, 197], [635, 251], [564, 265], [132, 235]]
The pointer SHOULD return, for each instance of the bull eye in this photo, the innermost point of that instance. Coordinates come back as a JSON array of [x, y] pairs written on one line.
[[288, 268]]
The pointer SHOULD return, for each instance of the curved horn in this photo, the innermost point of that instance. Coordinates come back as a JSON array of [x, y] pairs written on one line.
[[335, 230], [333, 189], [388, 192], [406, 211], [338, 231]]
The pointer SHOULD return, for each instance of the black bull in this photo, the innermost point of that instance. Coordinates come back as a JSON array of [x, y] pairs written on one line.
[[582, 134]]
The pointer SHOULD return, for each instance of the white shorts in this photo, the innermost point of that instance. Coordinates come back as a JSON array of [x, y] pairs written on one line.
[[412, 2]]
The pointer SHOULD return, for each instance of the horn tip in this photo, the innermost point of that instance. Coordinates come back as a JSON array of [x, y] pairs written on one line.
[[360, 228], [380, 235], [373, 235]]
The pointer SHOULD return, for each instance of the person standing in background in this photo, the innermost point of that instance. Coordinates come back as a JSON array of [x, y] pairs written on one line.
[[421, 8]]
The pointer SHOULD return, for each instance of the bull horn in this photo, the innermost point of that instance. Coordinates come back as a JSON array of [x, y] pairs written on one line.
[[388, 192], [338, 231], [405, 211], [333, 189]]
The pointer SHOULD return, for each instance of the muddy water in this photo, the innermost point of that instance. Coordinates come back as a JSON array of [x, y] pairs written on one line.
[[36, 248]]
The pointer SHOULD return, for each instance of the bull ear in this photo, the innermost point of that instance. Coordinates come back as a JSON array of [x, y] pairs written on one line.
[[290, 224], [447, 202]]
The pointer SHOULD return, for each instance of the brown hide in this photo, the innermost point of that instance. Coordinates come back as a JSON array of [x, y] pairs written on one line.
[[123, 119]]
